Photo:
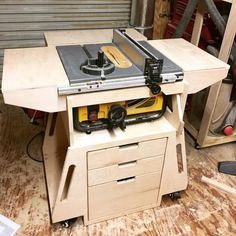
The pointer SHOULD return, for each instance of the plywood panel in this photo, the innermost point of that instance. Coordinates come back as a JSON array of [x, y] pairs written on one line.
[[113, 197], [40, 62], [204, 70], [128, 152], [124, 170]]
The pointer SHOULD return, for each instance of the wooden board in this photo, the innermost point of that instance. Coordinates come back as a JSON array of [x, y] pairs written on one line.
[[54, 38], [161, 18], [148, 130], [186, 55], [115, 197], [202, 69], [126, 153], [125, 170], [32, 68]]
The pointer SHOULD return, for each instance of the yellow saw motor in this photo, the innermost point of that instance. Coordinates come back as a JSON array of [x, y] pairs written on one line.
[[118, 114]]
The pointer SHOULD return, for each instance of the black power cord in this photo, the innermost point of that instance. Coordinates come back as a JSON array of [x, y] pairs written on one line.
[[28, 145]]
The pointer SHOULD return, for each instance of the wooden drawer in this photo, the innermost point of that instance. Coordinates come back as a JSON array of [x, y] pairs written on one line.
[[124, 170], [124, 153], [118, 196]]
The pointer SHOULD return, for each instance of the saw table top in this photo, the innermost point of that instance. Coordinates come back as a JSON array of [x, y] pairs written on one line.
[[31, 76]]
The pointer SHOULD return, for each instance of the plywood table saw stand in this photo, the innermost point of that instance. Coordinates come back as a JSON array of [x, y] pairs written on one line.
[[107, 173]]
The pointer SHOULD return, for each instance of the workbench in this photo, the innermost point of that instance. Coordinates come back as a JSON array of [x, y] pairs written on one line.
[[108, 173]]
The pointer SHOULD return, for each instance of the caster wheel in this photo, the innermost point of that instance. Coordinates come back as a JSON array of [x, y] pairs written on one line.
[[197, 146], [175, 195], [88, 131], [65, 224], [68, 223]]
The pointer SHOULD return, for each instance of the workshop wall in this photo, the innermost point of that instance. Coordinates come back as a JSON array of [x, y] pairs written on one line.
[[22, 22]]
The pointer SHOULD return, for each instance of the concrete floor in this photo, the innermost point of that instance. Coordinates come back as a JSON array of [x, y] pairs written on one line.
[[202, 210]]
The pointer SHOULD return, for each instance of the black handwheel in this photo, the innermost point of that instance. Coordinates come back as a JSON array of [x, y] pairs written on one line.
[[116, 116], [88, 131], [155, 89]]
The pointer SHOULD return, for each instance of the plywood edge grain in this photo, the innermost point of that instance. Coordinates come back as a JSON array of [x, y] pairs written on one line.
[[41, 99], [54, 38]]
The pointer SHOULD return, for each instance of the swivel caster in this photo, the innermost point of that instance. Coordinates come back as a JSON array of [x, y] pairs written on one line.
[[197, 146], [68, 223], [175, 195]]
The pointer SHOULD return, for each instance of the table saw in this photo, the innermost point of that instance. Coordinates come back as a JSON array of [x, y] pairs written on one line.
[[115, 170]]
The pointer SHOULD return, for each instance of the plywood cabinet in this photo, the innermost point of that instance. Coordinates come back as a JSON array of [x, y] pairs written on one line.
[[127, 184], [109, 173]]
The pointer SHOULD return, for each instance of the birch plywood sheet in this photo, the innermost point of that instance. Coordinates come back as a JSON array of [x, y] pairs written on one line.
[[42, 63], [182, 52], [201, 211]]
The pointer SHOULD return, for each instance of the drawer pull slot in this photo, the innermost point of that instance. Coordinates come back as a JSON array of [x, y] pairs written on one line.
[[126, 180], [128, 146], [127, 164]]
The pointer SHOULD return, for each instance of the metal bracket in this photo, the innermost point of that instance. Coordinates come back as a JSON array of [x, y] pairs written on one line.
[[153, 69]]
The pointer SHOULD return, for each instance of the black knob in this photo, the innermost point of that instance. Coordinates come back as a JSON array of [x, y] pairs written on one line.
[[155, 89], [101, 59], [116, 115]]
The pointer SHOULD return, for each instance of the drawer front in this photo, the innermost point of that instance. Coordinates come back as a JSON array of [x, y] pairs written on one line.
[[124, 153], [124, 170], [118, 196]]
